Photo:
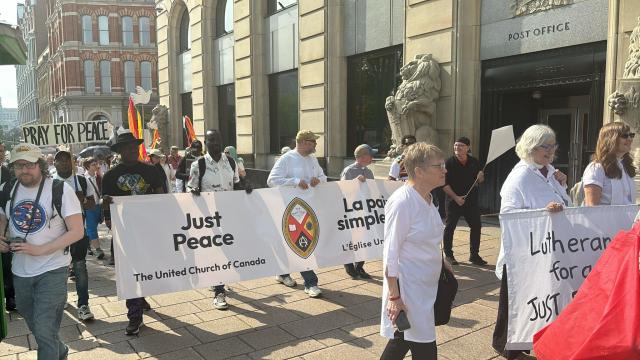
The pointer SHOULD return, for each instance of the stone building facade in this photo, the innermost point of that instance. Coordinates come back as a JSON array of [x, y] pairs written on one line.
[[98, 52], [261, 70]]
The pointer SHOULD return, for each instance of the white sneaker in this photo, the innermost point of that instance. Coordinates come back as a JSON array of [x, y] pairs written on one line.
[[84, 313], [286, 280], [220, 302], [313, 291]]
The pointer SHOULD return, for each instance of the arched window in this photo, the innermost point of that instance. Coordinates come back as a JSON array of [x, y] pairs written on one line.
[[145, 31], [87, 31], [129, 77], [103, 26], [185, 32], [127, 30], [145, 75], [224, 17], [89, 77]]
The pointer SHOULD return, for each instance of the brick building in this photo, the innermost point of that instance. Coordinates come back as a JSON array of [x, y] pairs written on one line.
[[98, 52]]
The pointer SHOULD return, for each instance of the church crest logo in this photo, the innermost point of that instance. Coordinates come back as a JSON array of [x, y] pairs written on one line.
[[300, 228]]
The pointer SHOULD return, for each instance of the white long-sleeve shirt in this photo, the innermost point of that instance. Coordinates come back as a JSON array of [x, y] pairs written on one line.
[[292, 167], [527, 189]]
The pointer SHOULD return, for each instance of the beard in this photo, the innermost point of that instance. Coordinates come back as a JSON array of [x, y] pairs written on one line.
[[28, 180]]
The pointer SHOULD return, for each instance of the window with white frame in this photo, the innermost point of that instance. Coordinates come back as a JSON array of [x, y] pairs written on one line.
[[127, 30], [129, 77], [103, 27], [87, 31], [89, 77], [105, 76], [145, 75], [145, 31]]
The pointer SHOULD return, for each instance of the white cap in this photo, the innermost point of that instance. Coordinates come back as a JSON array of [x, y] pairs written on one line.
[[28, 152]]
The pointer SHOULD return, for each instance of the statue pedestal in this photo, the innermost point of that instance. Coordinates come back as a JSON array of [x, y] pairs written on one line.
[[631, 116]]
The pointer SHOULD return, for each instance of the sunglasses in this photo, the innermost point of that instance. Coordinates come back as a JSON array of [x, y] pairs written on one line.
[[628, 135]]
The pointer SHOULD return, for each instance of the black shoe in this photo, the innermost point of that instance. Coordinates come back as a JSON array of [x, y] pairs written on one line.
[[134, 326], [363, 274], [10, 304], [477, 260], [351, 271], [452, 260]]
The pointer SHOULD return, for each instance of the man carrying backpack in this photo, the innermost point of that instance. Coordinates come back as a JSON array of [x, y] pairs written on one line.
[[215, 172], [39, 232], [7, 277], [86, 195]]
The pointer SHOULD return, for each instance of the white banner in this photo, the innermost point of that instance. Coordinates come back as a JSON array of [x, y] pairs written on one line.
[[177, 242], [66, 133], [548, 256]]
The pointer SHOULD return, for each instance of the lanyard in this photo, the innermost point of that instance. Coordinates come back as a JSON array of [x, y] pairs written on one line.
[[35, 204], [95, 188]]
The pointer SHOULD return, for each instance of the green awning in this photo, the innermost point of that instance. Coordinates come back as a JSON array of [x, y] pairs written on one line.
[[12, 48]]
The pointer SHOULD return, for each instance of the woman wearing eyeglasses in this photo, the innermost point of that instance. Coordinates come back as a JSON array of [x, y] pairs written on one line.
[[608, 179], [412, 259], [533, 183]]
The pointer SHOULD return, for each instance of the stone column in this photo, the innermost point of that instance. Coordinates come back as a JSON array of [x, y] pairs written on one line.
[[312, 69], [197, 66]]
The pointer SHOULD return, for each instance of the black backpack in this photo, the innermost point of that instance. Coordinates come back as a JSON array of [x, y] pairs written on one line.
[[202, 167]]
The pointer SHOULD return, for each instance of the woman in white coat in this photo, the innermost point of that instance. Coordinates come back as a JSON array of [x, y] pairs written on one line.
[[412, 258], [533, 183], [608, 179]]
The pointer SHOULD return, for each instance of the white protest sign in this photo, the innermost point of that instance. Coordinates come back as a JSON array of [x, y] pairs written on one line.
[[548, 256], [178, 242], [502, 140], [66, 133]]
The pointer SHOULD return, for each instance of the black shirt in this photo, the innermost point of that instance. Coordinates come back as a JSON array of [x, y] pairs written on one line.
[[460, 178], [5, 175], [138, 179]]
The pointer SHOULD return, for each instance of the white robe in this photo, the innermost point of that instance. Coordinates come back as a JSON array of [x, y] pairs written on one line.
[[412, 233], [527, 189]]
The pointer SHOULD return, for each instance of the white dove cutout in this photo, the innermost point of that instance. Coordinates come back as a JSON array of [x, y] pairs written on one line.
[[140, 96]]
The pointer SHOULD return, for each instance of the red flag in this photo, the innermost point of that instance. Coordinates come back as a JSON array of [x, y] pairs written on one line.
[[132, 118], [603, 320]]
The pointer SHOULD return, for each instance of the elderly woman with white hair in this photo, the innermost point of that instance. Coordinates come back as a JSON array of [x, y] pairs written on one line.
[[412, 259], [533, 183]]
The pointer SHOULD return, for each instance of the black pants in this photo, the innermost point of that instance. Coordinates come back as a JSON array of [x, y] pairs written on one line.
[[502, 322], [398, 347], [7, 276], [471, 214]]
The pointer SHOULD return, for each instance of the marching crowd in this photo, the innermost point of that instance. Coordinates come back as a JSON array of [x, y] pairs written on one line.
[[51, 206]]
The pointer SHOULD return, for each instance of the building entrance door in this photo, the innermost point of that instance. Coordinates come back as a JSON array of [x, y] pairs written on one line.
[[567, 125]]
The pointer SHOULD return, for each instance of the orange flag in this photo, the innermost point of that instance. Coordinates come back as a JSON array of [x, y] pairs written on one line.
[[191, 134], [156, 139], [131, 117], [142, 152]]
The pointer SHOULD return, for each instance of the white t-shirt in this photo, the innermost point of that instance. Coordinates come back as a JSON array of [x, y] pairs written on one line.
[[47, 226], [394, 170], [614, 191], [218, 177]]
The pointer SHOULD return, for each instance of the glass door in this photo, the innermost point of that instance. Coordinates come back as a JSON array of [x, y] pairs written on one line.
[[568, 128]]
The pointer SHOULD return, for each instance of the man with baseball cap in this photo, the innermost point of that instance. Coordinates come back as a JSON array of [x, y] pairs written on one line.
[[359, 170], [462, 172], [64, 164], [299, 168], [130, 177], [38, 235]]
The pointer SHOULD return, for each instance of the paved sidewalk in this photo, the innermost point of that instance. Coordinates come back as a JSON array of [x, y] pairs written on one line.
[[267, 320]]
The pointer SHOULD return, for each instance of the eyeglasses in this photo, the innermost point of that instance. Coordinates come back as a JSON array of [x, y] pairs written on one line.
[[441, 166], [628, 135], [549, 147], [27, 165]]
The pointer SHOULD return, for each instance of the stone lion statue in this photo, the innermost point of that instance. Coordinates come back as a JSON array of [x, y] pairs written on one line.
[[632, 66], [412, 109], [160, 120]]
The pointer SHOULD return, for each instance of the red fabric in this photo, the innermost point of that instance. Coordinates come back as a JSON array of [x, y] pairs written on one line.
[[603, 320]]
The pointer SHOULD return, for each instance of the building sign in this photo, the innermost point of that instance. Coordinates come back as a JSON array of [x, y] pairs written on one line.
[[66, 133], [502, 34]]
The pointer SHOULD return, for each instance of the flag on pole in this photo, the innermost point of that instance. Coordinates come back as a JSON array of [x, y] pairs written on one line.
[[156, 139], [135, 126], [191, 134], [502, 140]]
